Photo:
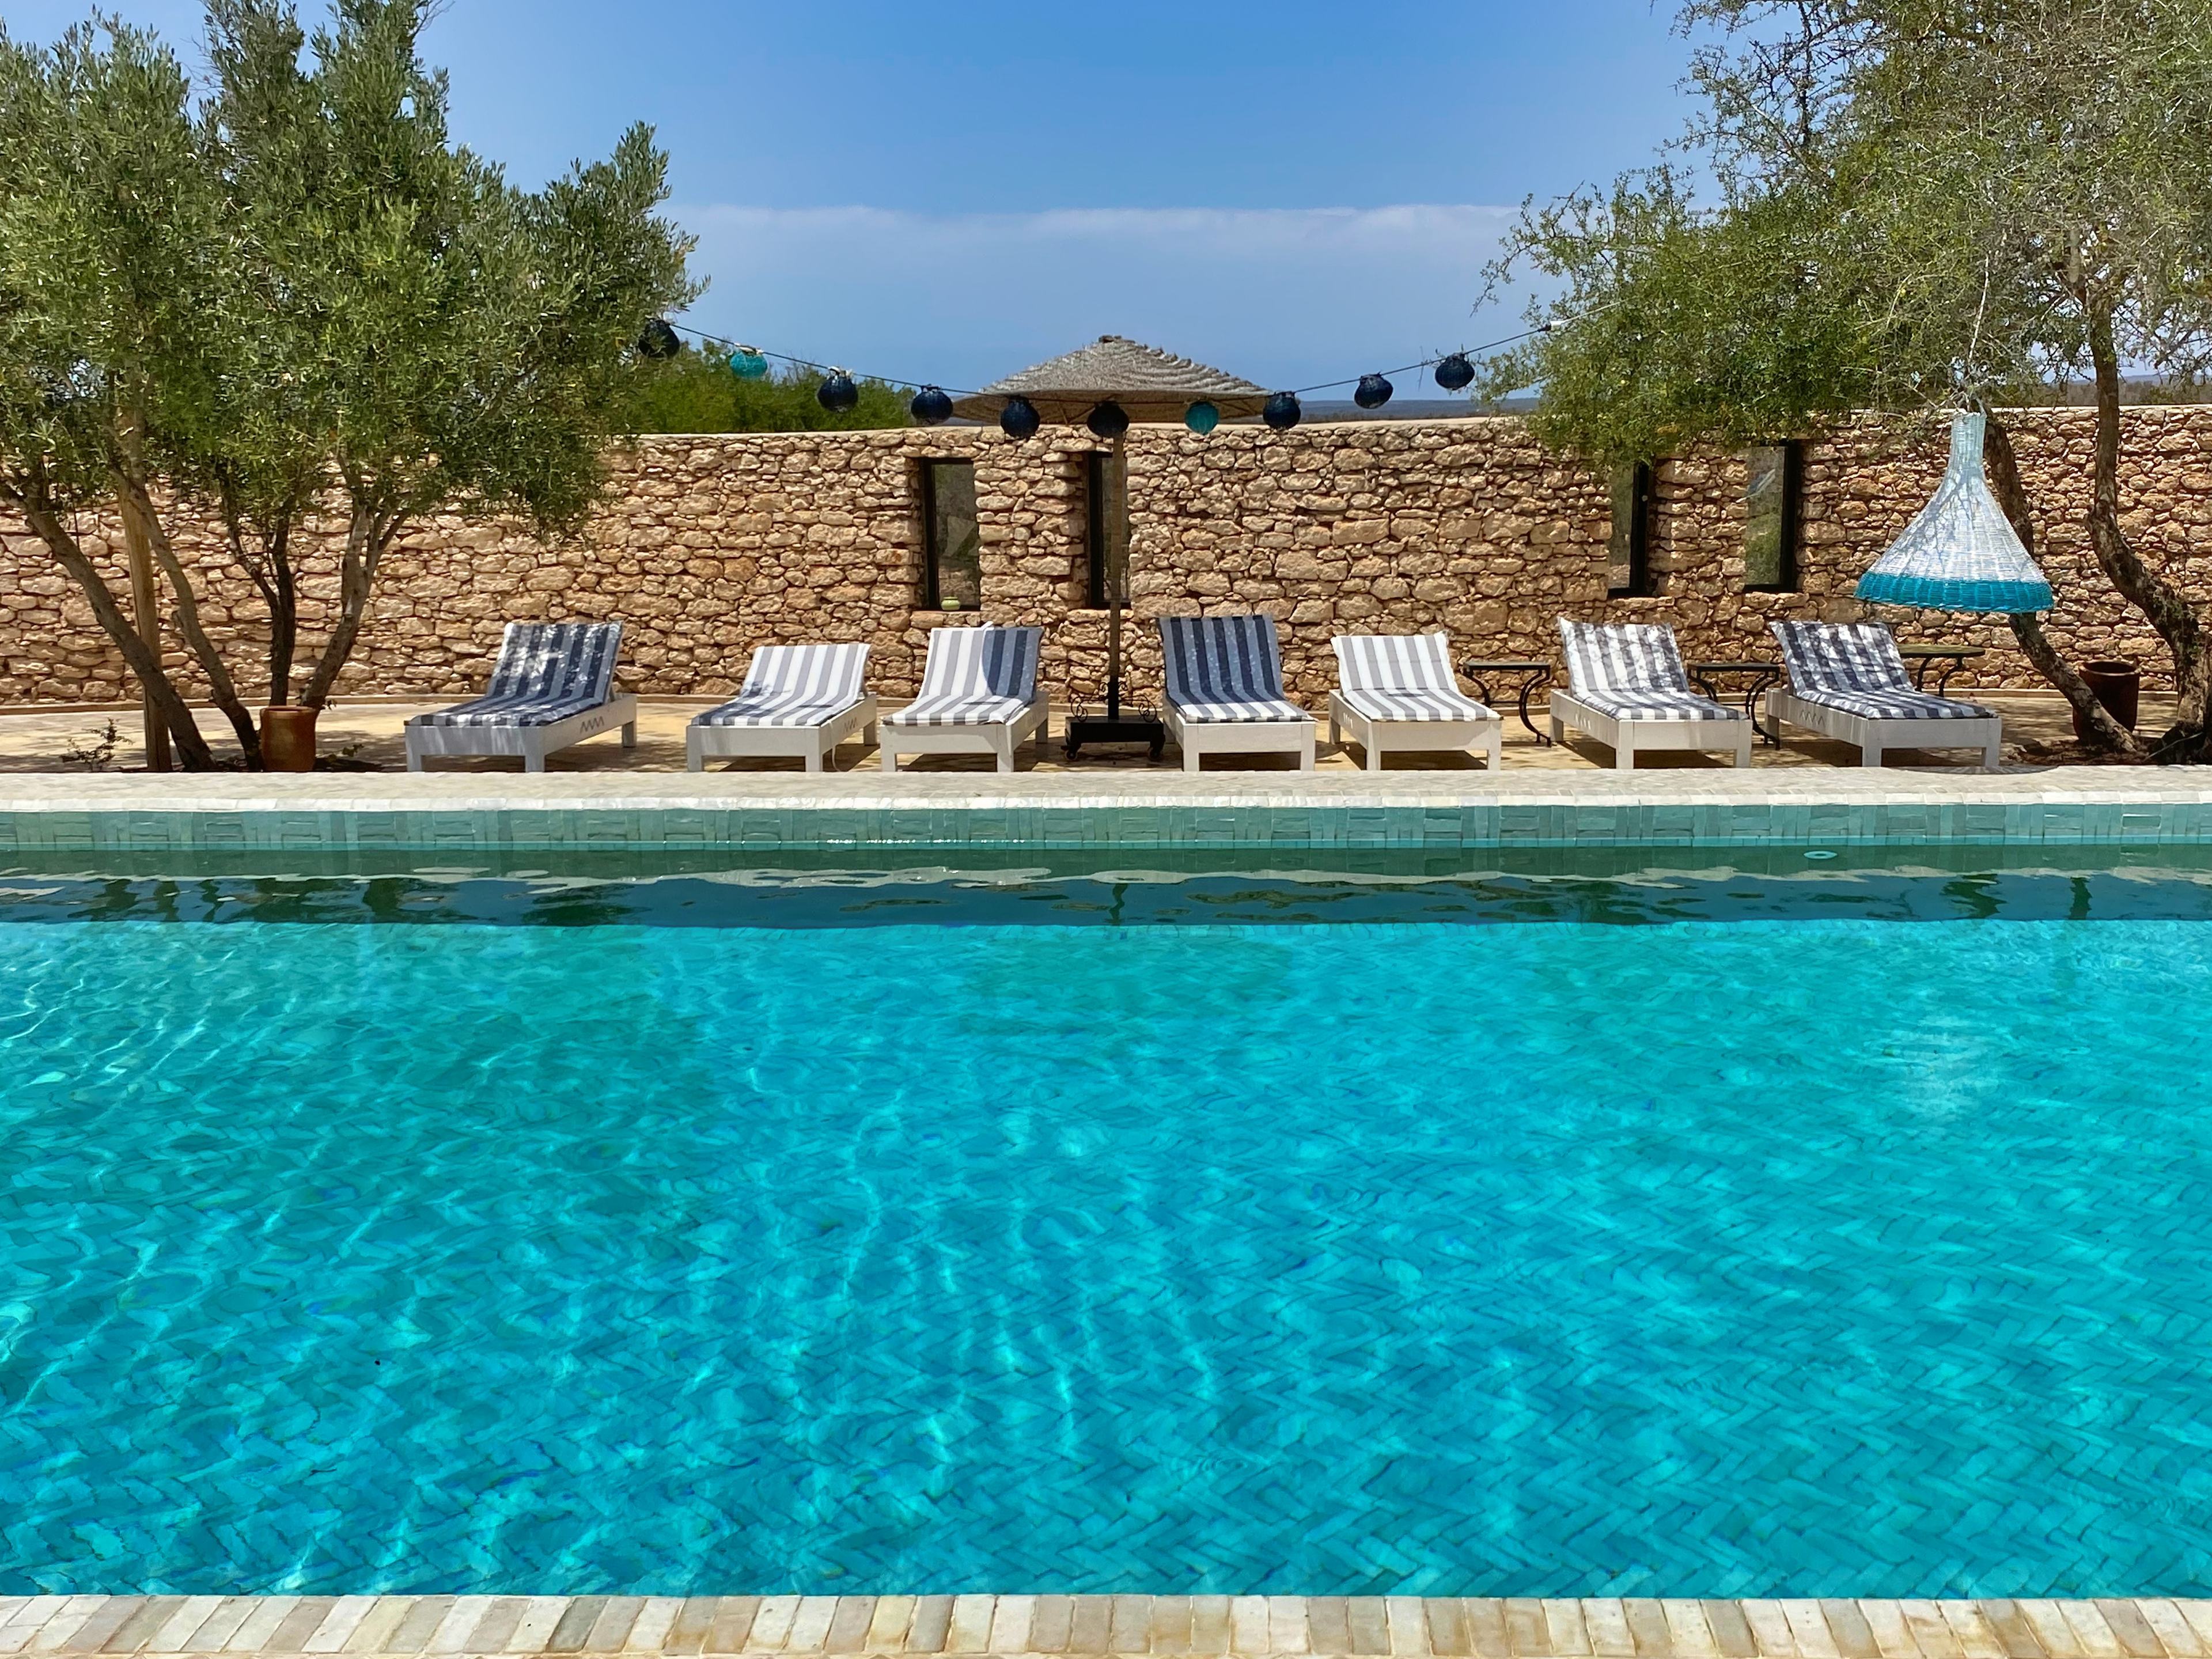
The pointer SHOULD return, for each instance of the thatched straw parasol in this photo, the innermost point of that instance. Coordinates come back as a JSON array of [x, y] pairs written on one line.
[[1106, 385], [1149, 383]]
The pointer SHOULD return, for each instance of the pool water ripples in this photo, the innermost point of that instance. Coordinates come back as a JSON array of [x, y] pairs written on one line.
[[1753, 1258]]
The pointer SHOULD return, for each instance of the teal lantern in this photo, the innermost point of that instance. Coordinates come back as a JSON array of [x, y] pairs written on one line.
[[748, 364], [1202, 417]]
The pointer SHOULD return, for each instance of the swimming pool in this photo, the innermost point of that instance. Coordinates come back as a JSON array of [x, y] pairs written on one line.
[[1825, 1231]]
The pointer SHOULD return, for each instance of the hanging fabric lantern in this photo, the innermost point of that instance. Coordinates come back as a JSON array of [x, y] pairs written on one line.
[[748, 364], [1202, 417], [658, 341], [1961, 553], [838, 394], [1019, 418], [1456, 373], [1282, 412], [1108, 419], [930, 406], [1374, 391]]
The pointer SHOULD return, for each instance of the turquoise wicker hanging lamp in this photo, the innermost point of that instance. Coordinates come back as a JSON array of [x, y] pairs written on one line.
[[1961, 553]]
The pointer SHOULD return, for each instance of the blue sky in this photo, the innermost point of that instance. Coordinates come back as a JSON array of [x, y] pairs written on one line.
[[1296, 192]]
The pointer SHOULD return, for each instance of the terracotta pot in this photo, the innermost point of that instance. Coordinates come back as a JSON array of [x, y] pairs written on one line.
[[2118, 686], [287, 739]]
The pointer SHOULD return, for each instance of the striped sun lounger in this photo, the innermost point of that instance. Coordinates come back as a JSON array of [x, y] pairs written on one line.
[[801, 700], [1628, 688], [979, 695], [552, 686], [1396, 691], [1225, 683], [1847, 682]]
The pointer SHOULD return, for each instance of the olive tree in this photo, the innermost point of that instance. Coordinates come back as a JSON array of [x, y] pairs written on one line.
[[297, 298], [1904, 205]]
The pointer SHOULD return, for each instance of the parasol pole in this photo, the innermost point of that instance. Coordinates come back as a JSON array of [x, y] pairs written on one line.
[[1117, 548]]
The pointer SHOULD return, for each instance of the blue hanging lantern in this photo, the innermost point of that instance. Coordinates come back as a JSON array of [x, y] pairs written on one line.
[[748, 364], [1456, 373], [1961, 553], [1202, 417], [930, 406], [1019, 418], [658, 341], [1108, 419], [1374, 391], [1282, 412], [838, 394]]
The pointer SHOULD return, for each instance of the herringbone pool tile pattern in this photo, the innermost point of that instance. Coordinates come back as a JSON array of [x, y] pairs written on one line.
[[1776, 1258], [1406, 1627]]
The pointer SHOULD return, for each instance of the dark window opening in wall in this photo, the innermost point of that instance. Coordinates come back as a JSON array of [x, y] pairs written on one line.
[[1773, 509], [1628, 552], [952, 565], [1105, 526]]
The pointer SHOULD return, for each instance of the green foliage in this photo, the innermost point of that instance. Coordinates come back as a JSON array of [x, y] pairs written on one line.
[[1912, 203], [697, 391], [296, 292]]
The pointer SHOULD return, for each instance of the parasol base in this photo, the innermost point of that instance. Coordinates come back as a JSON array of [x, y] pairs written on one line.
[[1129, 725]]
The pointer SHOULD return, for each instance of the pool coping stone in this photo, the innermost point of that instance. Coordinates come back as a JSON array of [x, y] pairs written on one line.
[[766, 812], [1407, 1627]]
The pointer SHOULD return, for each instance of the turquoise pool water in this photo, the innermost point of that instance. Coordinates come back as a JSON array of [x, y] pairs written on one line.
[[1771, 1256]]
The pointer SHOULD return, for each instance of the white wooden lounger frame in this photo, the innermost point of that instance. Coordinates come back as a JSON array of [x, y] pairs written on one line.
[[1423, 661], [532, 743], [1199, 738], [1872, 737], [1629, 738], [958, 671], [1002, 740], [814, 745]]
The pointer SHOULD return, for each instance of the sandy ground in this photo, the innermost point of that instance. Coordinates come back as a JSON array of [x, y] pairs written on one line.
[[367, 735]]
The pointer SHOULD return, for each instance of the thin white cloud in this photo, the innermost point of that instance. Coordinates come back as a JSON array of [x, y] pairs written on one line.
[[1285, 296]]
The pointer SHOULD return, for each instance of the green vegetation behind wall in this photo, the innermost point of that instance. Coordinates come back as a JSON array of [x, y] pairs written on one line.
[[697, 391]]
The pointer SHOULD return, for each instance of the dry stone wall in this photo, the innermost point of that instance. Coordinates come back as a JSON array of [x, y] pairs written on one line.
[[710, 546]]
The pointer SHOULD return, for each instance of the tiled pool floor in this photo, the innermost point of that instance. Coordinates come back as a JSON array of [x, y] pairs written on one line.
[[1602, 1628]]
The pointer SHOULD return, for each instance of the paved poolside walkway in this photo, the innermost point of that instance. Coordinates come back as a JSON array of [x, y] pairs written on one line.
[[35, 740], [1016, 1624]]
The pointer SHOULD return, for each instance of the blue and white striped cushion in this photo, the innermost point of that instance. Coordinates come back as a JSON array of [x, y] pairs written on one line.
[[1855, 667], [983, 675], [1390, 677], [794, 685], [1633, 671], [1226, 669], [546, 672]]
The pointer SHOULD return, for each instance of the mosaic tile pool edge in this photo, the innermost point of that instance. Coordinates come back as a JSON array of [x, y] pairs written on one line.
[[784, 826]]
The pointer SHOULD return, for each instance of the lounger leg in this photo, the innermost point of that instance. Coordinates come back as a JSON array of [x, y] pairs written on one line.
[[1743, 751], [533, 752], [1558, 728], [629, 734], [694, 758], [813, 759], [414, 754], [1496, 748], [1374, 755], [1870, 755], [1306, 753], [1005, 746], [1624, 754], [1189, 755], [1335, 734], [1993, 757], [890, 756]]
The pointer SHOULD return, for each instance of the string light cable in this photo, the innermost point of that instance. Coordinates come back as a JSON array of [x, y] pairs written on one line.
[[933, 403]]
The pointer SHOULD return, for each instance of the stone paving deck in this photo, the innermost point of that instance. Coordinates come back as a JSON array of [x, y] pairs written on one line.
[[1599, 1628]]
